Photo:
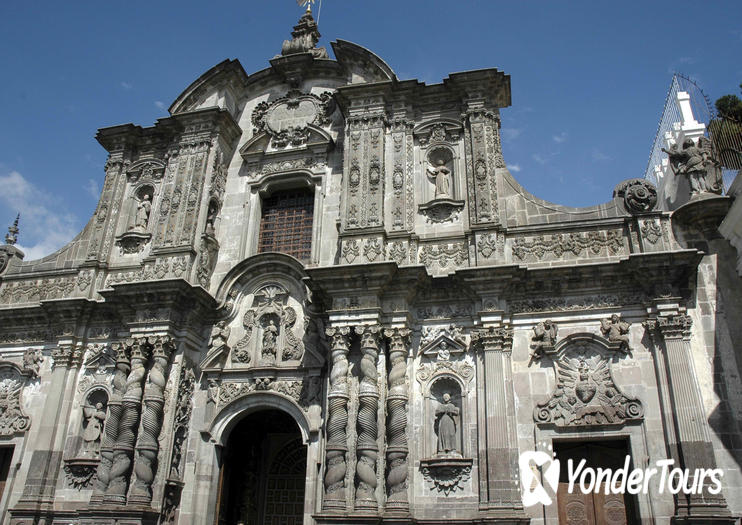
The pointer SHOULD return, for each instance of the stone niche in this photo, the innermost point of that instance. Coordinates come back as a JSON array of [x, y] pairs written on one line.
[[445, 374]]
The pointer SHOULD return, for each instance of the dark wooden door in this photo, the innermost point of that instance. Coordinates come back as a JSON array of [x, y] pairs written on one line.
[[6, 456], [596, 508]]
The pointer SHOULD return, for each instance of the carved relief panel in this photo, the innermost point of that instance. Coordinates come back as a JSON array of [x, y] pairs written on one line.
[[483, 156], [585, 393], [13, 419]]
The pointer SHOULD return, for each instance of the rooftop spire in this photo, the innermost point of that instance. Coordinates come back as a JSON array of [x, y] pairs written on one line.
[[305, 35], [12, 236]]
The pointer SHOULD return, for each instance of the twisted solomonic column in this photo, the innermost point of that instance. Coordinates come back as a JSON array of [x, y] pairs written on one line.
[[115, 408], [145, 466], [337, 421], [368, 429], [123, 450], [396, 402]]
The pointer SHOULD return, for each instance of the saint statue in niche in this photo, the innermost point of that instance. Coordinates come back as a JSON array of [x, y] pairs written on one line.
[[94, 418], [270, 334], [144, 207], [442, 178], [447, 414]]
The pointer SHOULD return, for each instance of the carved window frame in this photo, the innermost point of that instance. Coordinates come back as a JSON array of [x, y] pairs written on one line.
[[283, 181]]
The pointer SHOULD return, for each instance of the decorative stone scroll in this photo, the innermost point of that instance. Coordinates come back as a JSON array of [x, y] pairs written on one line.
[[639, 196], [585, 393], [12, 418]]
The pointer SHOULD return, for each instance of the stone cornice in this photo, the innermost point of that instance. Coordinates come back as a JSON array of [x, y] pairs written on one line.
[[671, 327]]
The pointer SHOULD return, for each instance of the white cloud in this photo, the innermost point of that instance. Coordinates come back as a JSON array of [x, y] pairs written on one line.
[[159, 104], [126, 85], [43, 227], [562, 137], [539, 158], [600, 156], [514, 167], [92, 188], [509, 134]]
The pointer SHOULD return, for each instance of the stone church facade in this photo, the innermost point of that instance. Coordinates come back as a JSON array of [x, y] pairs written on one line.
[[315, 294]]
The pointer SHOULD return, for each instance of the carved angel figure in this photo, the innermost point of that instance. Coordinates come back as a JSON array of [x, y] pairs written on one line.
[[32, 360], [447, 414], [544, 336], [95, 416], [616, 330], [696, 162], [441, 176], [219, 336]]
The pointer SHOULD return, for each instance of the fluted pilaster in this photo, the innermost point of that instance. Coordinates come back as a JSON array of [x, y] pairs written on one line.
[[397, 397], [145, 466], [368, 429], [337, 421], [695, 450]]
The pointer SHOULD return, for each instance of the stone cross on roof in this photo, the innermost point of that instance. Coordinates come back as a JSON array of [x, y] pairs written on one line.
[[12, 236]]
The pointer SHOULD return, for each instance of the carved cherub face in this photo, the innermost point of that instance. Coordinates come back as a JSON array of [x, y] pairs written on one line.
[[446, 397], [99, 405]]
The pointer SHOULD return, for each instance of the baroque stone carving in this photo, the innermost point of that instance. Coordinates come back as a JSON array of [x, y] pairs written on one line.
[[12, 418], [80, 472], [560, 304], [337, 420], [488, 244], [440, 211], [447, 415], [544, 338], [697, 164], [350, 250], [397, 252], [585, 392], [305, 392], [269, 329], [304, 38], [36, 290], [32, 359], [574, 243], [443, 255], [638, 195], [651, 231], [616, 331], [288, 118], [397, 448], [446, 475], [368, 405]]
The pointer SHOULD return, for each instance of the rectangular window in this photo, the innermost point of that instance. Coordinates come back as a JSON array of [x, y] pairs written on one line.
[[286, 224]]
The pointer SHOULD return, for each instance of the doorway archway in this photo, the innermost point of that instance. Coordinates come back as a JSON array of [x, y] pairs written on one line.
[[263, 472]]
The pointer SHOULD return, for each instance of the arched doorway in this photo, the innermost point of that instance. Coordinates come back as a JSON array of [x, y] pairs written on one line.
[[263, 472]]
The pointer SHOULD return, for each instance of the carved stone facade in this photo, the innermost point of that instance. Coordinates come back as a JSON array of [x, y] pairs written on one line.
[[445, 322]]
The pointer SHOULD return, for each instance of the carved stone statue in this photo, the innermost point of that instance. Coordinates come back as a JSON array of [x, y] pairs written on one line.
[[442, 178], [544, 336], [32, 360], [95, 416], [694, 161], [446, 415], [144, 207], [219, 336], [270, 335], [616, 330], [211, 218]]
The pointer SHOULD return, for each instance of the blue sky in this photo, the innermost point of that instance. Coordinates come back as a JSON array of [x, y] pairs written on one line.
[[588, 79]]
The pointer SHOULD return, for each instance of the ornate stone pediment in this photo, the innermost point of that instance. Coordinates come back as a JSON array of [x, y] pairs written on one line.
[[585, 393], [146, 170], [440, 343]]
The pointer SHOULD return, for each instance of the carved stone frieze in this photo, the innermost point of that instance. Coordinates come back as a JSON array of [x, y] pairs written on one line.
[[36, 290], [585, 393], [373, 250], [651, 231], [490, 244], [67, 356], [397, 252], [444, 256], [350, 250], [277, 166], [305, 391], [577, 244], [566, 304]]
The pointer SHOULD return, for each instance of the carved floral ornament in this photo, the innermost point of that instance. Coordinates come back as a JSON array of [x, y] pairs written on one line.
[[12, 418], [585, 393], [639, 196]]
